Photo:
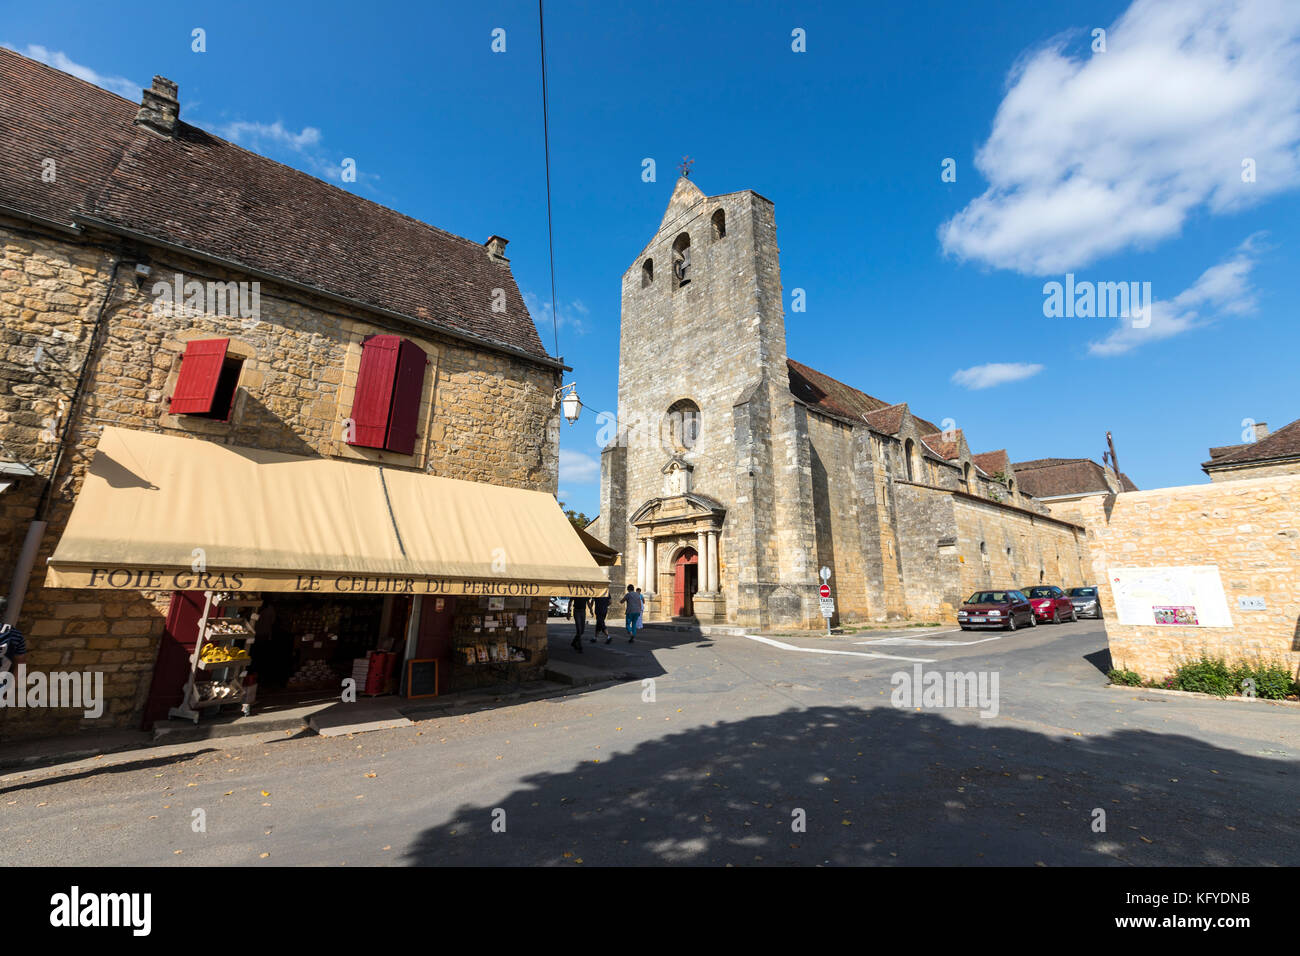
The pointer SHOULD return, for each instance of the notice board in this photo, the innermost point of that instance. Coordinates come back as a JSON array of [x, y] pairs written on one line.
[[422, 678], [1170, 597]]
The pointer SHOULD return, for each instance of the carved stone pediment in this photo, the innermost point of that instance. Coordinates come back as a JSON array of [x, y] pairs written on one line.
[[694, 510]]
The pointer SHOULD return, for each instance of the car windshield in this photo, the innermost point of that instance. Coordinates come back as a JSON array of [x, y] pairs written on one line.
[[988, 597], [1083, 592], [1040, 592]]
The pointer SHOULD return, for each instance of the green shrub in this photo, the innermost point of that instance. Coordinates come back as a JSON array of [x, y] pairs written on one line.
[[1206, 675], [1126, 677], [1273, 681], [1213, 675]]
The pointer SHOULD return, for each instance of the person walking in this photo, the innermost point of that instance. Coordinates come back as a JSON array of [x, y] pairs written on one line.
[[579, 606], [634, 607], [601, 606]]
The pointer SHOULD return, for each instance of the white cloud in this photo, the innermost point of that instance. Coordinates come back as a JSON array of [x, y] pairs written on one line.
[[307, 146], [572, 315], [577, 468], [994, 373], [1094, 153], [60, 61], [1222, 289], [254, 134]]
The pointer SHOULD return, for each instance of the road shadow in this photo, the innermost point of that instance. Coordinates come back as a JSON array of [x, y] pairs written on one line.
[[1100, 660], [623, 660], [886, 787]]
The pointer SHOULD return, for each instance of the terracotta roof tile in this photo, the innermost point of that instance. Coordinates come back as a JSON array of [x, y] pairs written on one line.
[[203, 193], [1050, 477], [992, 462], [820, 390], [1283, 443], [947, 449]]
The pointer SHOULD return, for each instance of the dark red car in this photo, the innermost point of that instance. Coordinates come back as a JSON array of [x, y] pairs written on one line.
[[1050, 603], [1007, 608]]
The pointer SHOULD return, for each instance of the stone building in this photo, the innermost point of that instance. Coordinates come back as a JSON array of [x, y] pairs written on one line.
[[1268, 453], [1068, 486], [737, 473], [158, 280]]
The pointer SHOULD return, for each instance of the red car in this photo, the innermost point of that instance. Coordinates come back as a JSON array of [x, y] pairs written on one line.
[[1008, 609], [1050, 603]]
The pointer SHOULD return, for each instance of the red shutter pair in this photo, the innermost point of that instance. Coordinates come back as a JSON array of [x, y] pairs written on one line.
[[196, 386], [390, 381]]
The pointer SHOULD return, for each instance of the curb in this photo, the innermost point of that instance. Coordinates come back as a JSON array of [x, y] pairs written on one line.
[[1198, 694], [184, 735]]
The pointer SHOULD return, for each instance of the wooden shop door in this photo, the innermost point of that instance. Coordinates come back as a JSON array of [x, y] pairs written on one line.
[[685, 571], [171, 669]]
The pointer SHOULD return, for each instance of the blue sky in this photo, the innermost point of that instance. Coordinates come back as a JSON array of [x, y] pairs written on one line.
[[1122, 165]]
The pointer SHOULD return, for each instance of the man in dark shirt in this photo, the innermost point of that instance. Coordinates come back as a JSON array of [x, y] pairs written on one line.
[[602, 609], [579, 605]]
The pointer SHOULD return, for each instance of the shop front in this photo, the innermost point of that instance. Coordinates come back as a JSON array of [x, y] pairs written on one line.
[[292, 577]]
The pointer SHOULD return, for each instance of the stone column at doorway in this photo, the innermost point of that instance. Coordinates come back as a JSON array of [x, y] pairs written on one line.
[[640, 563], [712, 563], [701, 548], [649, 586]]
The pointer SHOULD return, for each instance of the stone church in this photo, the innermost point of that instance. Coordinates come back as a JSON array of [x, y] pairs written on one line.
[[737, 473]]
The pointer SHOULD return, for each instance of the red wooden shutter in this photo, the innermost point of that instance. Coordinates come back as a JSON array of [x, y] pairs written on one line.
[[200, 370], [405, 413], [374, 394]]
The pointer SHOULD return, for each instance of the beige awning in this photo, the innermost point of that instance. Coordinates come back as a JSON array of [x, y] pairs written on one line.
[[159, 512], [600, 552]]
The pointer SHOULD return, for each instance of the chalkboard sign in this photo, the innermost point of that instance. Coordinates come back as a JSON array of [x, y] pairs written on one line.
[[422, 678]]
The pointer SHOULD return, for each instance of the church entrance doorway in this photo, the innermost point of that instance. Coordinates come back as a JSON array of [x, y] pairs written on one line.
[[686, 581]]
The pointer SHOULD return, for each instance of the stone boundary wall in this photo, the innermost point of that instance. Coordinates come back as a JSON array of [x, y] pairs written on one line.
[[1249, 528]]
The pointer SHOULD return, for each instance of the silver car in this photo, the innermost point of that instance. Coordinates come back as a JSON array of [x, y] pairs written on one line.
[[1086, 601]]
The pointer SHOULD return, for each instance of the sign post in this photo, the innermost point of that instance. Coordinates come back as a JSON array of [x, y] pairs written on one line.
[[827, 602]]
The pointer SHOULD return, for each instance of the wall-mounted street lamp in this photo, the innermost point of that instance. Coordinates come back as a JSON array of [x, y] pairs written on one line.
[[566, 396]]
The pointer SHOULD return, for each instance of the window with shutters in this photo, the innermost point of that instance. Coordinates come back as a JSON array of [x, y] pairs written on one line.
[[386, 403], [207, 380]]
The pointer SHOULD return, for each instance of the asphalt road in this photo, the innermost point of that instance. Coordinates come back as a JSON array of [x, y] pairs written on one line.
[[742, 742]]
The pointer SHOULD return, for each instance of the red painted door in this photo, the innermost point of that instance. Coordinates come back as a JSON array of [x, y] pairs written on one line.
[[434, 640], [171, 669], [684, 582]]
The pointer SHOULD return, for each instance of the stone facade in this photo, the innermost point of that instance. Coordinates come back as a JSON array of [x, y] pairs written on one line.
[[486, 416], [1249, 529], [786, 474]]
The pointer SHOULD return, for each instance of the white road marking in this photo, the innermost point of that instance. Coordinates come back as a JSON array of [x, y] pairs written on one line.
[[826, 650], [917, 640]]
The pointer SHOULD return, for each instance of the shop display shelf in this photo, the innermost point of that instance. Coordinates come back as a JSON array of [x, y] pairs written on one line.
[[228, 634], [212, 665], [210, 701]]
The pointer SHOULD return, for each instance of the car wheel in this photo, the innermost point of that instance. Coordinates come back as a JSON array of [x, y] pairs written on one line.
[[1011, 623], [1056, 616], [964, 627], [1074, 616], [1033, 619]]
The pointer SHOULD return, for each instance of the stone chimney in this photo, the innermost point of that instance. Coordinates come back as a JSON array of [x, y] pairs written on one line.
[[1261, 430], [160, 110], [496, 247]]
